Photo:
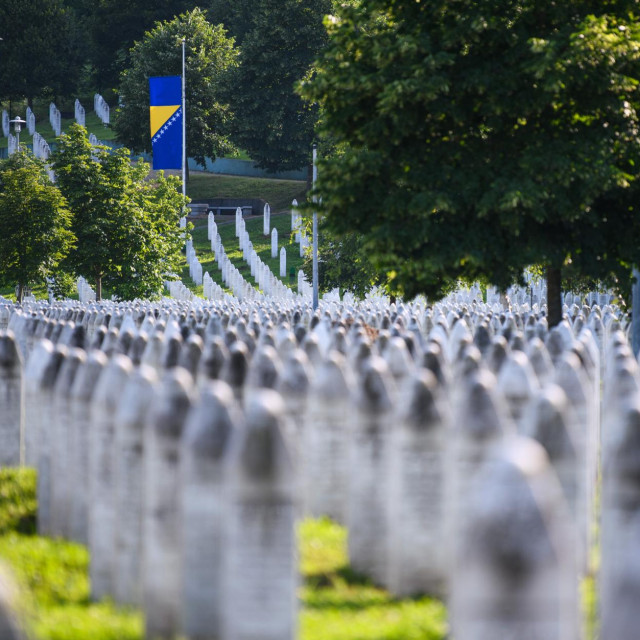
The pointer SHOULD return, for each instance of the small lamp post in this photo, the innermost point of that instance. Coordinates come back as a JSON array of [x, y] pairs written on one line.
[[17, 128]]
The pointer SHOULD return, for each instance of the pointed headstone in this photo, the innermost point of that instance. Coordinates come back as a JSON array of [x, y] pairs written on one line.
[[204, 445]]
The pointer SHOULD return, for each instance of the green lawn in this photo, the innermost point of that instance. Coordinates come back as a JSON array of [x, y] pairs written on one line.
[[278, 193], [335, 604]]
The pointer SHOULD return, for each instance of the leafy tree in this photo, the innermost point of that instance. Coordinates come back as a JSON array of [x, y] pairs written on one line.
[[343, 263], [208, 53], [279, 39], [127, 226], [483, 137], [114, 26], [41, 49], [35, 223]]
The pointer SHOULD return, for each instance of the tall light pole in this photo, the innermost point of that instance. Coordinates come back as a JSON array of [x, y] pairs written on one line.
[[17, 128]]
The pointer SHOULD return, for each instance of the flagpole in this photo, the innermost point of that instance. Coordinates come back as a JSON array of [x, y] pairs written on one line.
[[314, 261], [184, 126]]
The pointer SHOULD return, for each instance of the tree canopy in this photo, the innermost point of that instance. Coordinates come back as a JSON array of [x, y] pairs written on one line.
[[113, 26], [35, 223], [279, 40], [208, 54], [41, 49], [482, 137], [343, 263], [127, 226]]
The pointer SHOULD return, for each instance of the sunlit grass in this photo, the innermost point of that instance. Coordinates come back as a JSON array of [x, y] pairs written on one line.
[[335, 603]]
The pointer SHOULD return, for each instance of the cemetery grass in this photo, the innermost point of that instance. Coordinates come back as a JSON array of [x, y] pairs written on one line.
[[43, 127], [262, 245], [278, 193], [335, 603]]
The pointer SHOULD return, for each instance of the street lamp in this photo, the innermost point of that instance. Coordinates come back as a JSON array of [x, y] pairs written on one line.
[[17, 128]]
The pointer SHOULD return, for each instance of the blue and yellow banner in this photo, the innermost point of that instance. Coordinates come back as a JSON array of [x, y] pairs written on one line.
[[166, 121]]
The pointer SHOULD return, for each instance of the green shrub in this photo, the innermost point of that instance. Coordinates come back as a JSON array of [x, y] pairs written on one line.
[[18, 503]]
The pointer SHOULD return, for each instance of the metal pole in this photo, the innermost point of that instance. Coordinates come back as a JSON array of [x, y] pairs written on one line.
[[315, 235], [635, 313], [184, 125]]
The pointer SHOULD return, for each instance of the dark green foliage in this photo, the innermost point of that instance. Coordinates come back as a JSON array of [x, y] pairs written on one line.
[[41, 50], [113, 26], [126, 225], [482, 137], [18, 500], [35, 222], [344, 263], [279, 40], [208, 54]]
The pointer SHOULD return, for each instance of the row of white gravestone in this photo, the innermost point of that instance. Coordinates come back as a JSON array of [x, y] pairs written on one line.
[[101, 108], [212, 290], [267, 281], [179, 291], [85, 291], [620, 523], [55, 119], [257, 265], [79, 113], [504, 530], [41, 147], [257, 502]]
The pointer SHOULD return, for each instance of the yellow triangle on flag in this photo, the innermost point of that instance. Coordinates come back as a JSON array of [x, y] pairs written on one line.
[[159, 115]]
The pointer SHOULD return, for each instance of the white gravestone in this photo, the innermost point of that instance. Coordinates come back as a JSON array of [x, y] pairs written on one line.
[[44, 438], [515, 577], [274, 243], [283, 262], [518, 383], [84, 386], [266, 220], [369, 461], [32, 380], [161, 516], [102, 473], [11, 402], [621, 615], [326, 440], [11, 608], [571, 377], [416, 494], [130, 423], [204, 445], [620, 500], [62, 486], [260, 573], [478, 428]]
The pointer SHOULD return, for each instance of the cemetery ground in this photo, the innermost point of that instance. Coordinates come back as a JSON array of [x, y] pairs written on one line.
[[336, 604], [278, 193], [262, 245]]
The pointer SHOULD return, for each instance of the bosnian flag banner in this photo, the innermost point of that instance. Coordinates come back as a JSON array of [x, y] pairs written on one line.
[[166, 121]]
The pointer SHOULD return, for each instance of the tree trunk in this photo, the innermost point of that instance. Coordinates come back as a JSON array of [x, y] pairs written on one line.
[[20, 293], [554, 298], [98, 288], [30, 103]]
